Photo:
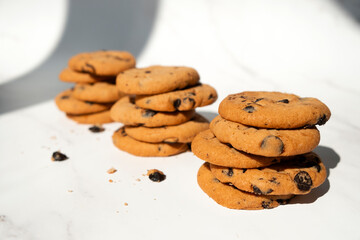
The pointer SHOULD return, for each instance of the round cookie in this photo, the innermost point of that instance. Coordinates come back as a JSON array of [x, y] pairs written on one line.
[[102, 92], [92, 118], [231, 197], [181, 100], [156, 79], [274, 110], [265, 142], [68, 75], [297, 176], [126, 112], [183, 133], [67, 103], [122, 141], [102, 63], [208, 148]]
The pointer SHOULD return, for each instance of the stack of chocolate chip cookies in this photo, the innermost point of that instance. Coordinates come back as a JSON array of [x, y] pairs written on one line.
[[159, 111], [258, 150], [94, 74]]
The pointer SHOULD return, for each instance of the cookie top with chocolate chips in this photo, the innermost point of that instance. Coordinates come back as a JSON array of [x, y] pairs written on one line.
[[156, 79], [296, 176], [128, 144], [102, 63], [231, 197], [274, 110], [265, 142], [126, 112], [66, 102], [180, 100]]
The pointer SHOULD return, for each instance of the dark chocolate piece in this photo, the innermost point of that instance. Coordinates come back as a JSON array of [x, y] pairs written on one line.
[[96, 129], [157, 177], [303, 181], [148, 113], [249, 109], [58, 156]]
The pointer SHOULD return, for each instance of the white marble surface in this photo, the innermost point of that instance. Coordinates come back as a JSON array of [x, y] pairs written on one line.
[[310, 48]]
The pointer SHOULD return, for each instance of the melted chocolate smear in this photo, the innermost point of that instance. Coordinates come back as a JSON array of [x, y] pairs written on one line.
[[257, 100], [148, 113], [96, 129], [303, 181], [58, 156], [157, 177], [249, 109], [229, 172]]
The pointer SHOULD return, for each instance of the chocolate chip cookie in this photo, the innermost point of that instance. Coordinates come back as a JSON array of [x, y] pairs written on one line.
[[125, 143], [68, 75], [231, 197], [180, 100], [92, 118], [101, 92], [296, 176], [156, 79], [183, 133], [265, 142], [102, 63], [126, 112], [67, 103], [274, 110]]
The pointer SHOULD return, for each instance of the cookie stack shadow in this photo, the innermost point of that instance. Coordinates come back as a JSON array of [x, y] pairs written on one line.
[[258, 150], [94, 75], [158, 112]]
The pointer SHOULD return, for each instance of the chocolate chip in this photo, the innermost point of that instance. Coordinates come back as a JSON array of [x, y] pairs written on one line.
[[210, 96], [65, 97], [148, 113], [283, 201], [117, 58], [275, 141], [257, 100], [157, 177], [284, 101], [191, 94], [216, 180], [87, 102], [147, 71], [322, 120], [96, 129], [229, 172], [273, 180], [177, 103], [123, 133], [92, 68], [256, 190], [249, 109], [191, 100], [266, 205], [148, 101], [303, 181], [159, 148], [244, 170], [269, 191], [58, 156]]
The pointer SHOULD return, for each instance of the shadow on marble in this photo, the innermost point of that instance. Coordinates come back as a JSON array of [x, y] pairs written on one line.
[[91, 25], [330, 159], [208, 115], [352, 7]]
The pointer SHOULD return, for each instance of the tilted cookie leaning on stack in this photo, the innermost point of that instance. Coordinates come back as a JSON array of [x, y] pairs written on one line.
[[258, 150], [159, 115], [94, 74]]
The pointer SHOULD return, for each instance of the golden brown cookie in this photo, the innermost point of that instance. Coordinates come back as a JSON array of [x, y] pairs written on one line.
[[265, 142], [180, 100], [296, 176], [126, 112], [102, 63], [67, 103], [274, 110], [208, 148], [231, 197], [156, 79], [125, 143], [68, 75], [92, 118], [101, 92], [183, 133]]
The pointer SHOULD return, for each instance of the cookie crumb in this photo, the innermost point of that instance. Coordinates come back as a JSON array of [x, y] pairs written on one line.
[[70, 190], [53, 137], [58, 156], [112, 170], [138, 179], [126, 204], [156, 175], [96, 129], [110, 180]]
